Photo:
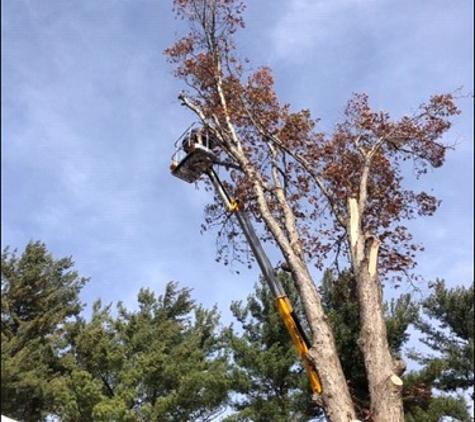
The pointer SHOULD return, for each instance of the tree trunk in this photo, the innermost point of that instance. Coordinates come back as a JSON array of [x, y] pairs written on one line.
[[385, 386], [335, 397]]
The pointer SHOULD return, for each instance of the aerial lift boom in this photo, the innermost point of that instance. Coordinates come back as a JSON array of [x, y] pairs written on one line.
[[198, 160]]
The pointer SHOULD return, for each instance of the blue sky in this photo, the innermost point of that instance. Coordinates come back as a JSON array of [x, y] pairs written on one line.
[[90, 115]]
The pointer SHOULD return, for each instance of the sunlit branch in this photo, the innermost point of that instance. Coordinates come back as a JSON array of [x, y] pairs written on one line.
[[289, 216], [363, 189], [193, 107], [306, 165]]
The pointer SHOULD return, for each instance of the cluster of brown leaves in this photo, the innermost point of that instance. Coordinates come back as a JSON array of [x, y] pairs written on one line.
[[363, 158]]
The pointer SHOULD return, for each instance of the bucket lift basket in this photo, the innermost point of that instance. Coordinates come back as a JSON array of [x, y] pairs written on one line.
[[193, 154]]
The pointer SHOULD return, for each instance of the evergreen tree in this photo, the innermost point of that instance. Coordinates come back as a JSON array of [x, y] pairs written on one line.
[[269, 376], [269, 379], [449, 332], [340, 302], [422, 404], [162, 362], [39, 305]]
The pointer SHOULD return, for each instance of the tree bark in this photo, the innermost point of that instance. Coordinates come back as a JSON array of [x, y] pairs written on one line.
[[335, 398], [385, 386]]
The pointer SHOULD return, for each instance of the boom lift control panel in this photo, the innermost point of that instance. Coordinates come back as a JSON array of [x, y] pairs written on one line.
[[193, 158]]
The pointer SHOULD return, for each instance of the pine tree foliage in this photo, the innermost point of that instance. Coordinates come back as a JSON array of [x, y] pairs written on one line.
[[269, 380], [166, 360], [422, 403], [39, 305], [162, 362], [449, 333], [339, 298]]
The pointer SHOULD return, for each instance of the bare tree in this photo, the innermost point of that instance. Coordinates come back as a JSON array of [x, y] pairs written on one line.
[[321, 197]]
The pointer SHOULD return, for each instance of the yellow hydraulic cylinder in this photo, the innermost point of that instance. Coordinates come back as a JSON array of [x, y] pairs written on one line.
[[285, 310]]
